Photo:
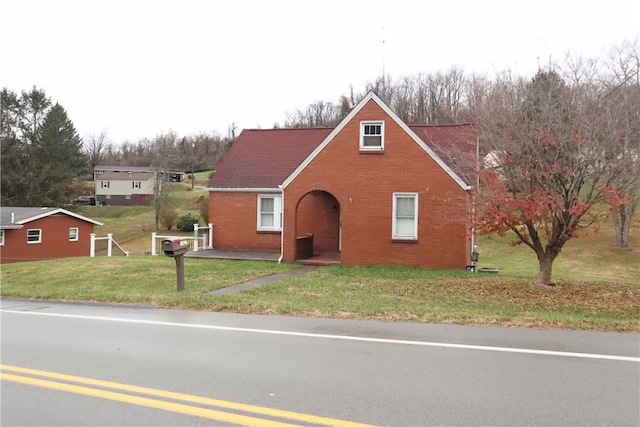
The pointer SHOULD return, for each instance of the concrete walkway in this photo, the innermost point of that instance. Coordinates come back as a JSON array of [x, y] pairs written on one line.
[[235, 254], [230, 290]]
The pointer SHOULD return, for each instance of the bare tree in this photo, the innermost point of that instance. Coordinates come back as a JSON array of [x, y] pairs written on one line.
[[164, 158], [95, 148], [318, 114], [622, 77]]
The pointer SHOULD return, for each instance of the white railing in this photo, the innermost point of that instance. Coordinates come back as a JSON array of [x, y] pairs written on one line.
[[109, 246], [207, 238], [199, 241]]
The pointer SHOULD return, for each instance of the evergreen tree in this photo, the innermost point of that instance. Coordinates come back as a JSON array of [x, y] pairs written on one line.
[[41, 152], [58, 153]]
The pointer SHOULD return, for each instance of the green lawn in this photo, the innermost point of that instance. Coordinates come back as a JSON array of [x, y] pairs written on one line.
[[594, 258], [383, 293], [598, 286]]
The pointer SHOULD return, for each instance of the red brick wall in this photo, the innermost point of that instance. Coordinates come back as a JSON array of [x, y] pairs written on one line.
[[234, 219], [319, 213], [55, 240], [364, 183]]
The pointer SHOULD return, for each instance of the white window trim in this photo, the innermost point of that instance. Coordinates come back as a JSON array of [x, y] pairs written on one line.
[[277, 213], [71, 239], [1, 237], [414, 235], [33, 242], [370, 148]]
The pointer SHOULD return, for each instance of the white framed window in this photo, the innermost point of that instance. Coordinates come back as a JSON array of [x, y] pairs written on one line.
[[372, 135], [34, 235], [405, 216], [1, 237], [136, 184], [269, 213], [73, 234], [105, 184]]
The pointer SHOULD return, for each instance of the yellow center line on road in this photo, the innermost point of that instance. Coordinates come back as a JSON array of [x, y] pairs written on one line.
[[164, 405], [144, 401]]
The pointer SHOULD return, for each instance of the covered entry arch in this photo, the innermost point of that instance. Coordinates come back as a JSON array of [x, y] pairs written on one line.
[[318, 226]]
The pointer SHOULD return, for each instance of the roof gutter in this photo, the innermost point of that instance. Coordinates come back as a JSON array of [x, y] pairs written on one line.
[[245, 190]]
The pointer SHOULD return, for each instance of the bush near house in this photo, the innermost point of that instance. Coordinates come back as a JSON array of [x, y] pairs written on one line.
[[168, 217], [186, 222]]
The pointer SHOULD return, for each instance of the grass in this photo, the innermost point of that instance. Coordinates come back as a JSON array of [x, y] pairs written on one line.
[[135, 279], [132, 226], [597, 285], [383, 293], [199, 178], [594, 258]]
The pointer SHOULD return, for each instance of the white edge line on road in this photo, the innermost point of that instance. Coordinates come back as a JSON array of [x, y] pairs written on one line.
[[339, 337]]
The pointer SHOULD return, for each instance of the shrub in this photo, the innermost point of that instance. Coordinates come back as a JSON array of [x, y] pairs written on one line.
[[203, 206], [168, 216], [186, 222]]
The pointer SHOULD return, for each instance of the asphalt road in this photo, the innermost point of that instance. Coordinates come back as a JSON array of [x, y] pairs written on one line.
[[99, 365]]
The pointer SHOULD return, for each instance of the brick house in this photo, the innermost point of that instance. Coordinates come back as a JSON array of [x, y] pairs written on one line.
[[32, 234], [373, 190]]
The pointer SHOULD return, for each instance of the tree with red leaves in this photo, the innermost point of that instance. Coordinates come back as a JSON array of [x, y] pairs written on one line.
[[548, 172]]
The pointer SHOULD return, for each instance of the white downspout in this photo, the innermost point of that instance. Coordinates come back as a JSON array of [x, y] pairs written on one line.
[[281, 225], [473, 203]]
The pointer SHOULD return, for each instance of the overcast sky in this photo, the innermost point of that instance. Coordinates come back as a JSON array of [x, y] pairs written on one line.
[[138, 68]]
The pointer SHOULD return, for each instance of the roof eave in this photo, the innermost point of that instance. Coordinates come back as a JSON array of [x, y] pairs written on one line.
[[244, 189], [56, 211]]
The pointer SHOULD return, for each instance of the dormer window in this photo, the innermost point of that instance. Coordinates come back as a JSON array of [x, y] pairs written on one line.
[[372, 136]]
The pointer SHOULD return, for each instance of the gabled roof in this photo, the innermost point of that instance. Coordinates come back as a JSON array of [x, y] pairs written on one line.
[[127, 169], [455, 144], [371, 96], [120, 176], [107, 168], [16, 217], [263, 158]]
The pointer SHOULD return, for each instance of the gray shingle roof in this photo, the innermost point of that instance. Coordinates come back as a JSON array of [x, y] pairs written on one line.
[[15, 217]]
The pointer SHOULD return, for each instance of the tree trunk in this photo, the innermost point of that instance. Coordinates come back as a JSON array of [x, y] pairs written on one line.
[[546, 266], [622, 216]]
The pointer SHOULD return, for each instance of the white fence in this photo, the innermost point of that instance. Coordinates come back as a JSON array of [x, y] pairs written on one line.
[[201, 240], [111, 247]]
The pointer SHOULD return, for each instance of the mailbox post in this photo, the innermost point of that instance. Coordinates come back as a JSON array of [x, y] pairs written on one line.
[[176, 251]]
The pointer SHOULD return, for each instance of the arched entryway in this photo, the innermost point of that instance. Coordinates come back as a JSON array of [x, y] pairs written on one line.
[[318, 228]]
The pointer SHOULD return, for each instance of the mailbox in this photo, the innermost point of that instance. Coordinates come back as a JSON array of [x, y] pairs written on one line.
[[173, 249]]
